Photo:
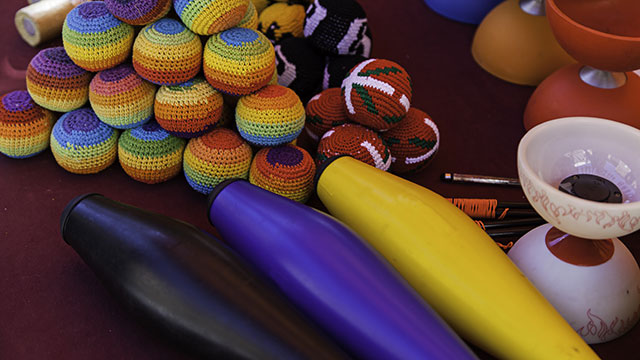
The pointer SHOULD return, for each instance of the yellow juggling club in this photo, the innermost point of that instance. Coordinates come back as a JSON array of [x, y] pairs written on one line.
[[450, 261]]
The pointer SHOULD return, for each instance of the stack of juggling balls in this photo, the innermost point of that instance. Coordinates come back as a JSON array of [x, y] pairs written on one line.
[[133, 83], [370, 118]]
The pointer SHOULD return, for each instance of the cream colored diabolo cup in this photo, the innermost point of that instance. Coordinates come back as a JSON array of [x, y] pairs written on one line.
[[594, 284]]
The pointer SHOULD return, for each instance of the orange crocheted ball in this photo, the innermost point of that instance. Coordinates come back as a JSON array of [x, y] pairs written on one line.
[[413, 143], [324, 111], [215, 157], [377, 93], [357, 141], [286, 170]]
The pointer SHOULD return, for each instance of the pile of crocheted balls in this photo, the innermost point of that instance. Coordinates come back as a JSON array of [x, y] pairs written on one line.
[[193, 87], [370, 118]]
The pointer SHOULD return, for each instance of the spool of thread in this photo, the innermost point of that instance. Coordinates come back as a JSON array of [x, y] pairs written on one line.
[[42, 20]]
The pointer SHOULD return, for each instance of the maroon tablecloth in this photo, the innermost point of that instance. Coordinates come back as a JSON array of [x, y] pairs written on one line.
[[53, 307]]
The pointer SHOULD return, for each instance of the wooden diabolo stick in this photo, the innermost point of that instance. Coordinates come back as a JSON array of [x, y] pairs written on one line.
[[42, 20]]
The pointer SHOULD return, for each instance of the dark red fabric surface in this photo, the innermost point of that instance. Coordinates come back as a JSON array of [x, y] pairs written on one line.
[[51, 304]]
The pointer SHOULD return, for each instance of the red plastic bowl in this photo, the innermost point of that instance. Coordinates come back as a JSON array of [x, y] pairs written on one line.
[[601, 34]]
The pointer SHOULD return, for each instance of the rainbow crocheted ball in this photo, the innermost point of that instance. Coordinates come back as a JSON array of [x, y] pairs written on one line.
[[337, 68], [270, 117], [24, 126], [413, 143], [338, 27], [138, 12], [239, 61], [357, 141], [207, 17], [94, 39], [57, 83], [149, 154], [167, 53], [121, 98], [82, 144], [214, 157], [282, 20], [250, 19], [299, 66], [286, 170], [324, 111], [189, 109], [377, 93]]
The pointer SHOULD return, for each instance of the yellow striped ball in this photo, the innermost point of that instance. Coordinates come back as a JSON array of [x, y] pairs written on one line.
[[207, 17], [239, 61], [94, 39]]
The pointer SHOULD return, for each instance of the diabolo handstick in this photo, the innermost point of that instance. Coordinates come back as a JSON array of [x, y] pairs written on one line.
[[331, 275], [189, 284], [450, 261]]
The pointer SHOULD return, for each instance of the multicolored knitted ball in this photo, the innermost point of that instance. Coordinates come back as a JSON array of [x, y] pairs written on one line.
[[207, 17], [239, 61], [270, 117], [57, 83], [324, 111], [413, 143], [299, 66], [338, 27], [286, 170], [121, 98], [250, 19], [189, 109], [82, 144], [377, 94], [357, 141], [214, 157], [282, 20], [138, 12], [337, 68], [94, 39], [149, 154], [167, 53], [24, 126]]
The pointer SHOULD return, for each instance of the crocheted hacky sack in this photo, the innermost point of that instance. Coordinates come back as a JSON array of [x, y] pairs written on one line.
[[167, 53], [121, 98], [24, 125], [138, 12], [149, 154], [207, 17], [338, 27], [239, 61], [270, 117], [286, 170], [214, 157], [357, 141], [377, 94], [189, 109], [282, 20], [299, 66], [250, 18], [57, 83], [82, 144], [413, 143], [324, 111], [337, 68], [94, 39]]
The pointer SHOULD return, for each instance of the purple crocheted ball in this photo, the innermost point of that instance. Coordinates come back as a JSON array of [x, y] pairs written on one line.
[[138, 12]]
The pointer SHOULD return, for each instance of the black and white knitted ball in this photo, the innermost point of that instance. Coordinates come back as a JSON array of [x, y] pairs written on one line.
[[338, 27], [337, 68], [299, 66]]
